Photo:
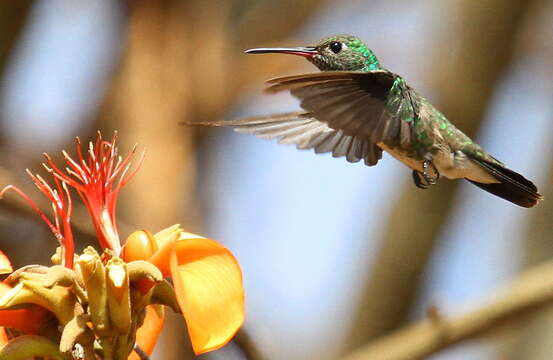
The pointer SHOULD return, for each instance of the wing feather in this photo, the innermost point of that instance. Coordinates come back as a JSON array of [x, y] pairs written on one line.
[[357, 103], [303, 130]]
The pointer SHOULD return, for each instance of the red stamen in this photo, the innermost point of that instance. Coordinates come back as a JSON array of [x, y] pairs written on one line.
[[98, 178], [94, 178], [64, 236], [33, 206]]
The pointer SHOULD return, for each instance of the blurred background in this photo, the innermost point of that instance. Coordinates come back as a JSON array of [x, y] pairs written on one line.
[[334, 255]]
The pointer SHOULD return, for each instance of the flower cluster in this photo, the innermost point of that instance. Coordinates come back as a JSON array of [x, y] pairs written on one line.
[[107, 302]]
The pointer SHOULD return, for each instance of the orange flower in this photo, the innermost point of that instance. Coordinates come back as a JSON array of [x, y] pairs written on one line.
[[97, 178], [206, 277], [207, 280]]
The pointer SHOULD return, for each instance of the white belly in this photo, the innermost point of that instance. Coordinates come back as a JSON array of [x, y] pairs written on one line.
[[452, 165], [412, 163]]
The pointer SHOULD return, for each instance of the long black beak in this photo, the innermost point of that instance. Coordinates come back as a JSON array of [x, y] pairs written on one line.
[[306, 51]]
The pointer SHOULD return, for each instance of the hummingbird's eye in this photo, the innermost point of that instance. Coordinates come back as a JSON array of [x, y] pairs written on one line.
[[335, 47]]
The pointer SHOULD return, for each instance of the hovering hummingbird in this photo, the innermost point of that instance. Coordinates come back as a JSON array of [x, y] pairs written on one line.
[[358, 109]]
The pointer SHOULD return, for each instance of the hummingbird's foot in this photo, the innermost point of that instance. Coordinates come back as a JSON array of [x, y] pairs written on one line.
[[428, 176], [419, 180], [427, 168]]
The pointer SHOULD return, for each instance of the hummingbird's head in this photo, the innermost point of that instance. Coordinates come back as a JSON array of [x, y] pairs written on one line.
[[333, 53]]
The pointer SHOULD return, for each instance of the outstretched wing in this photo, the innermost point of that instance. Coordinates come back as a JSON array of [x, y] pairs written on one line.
[[306, 132], [347, 114], [371, 105]]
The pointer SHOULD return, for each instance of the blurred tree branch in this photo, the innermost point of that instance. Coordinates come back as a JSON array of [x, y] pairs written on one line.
[[13, 15], [274, 20], [270, 23], [148, 97], [220, 68], [531, 341], [177, 67], [480, 40], [181, 63], [532, 291], [534, 336]]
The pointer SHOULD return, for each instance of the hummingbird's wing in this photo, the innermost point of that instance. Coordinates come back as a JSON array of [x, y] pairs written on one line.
[[366, 105], [306, 132], [348, 114]]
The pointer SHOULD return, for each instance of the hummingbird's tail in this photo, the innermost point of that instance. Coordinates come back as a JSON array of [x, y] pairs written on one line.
[[511, 186]]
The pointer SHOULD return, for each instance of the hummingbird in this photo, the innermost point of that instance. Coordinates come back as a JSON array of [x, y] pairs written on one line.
[[357, 109]]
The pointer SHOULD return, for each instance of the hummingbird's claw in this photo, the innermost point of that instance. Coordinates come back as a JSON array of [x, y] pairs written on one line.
[[429, 175], [431, 179], [419, 180]]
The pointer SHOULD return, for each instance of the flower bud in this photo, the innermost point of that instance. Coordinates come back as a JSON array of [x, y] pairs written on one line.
[[140, 245], [119, 301], [94, 278]]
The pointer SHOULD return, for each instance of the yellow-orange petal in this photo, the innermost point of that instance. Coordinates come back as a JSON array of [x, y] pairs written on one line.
[[140, 245], [5, 265], [208, 284], [148, 333], [162, 256]]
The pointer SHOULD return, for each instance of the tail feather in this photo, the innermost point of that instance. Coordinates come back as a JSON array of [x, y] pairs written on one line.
[[511, 186]]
